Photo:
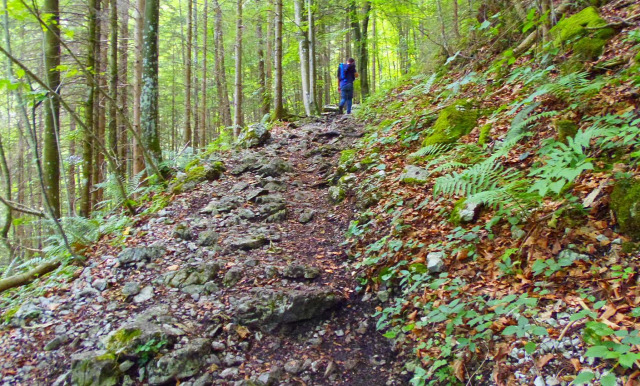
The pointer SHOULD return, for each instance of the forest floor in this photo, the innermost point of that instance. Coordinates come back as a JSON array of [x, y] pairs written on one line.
[[239, 281]]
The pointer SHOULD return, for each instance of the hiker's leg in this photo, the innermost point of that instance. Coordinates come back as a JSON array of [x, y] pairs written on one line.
[[350, 100], [343, 99]]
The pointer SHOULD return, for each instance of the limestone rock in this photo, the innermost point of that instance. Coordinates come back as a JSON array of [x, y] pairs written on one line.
[[254, 136], [306, 216], [179, 364], [454, 121], [267, 309], [435, 262], [140, 254], [94, 368], [208, 238], [192, 275], [625, 203], [182, 231], [336, 194], [145, 294], [414, 175]]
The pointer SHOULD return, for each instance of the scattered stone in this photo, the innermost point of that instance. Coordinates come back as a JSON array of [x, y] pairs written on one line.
[[296, 271], [331, 368], [274, 168], [145, 294], [336, 194], [179, 364], [99, 284], [435, 262], [414, 175], [231, 372], [233, 276], [182, 231], [94, 368], [208, 238], [293, 367], [57, 342], [249, 242], [140, 254], [306, 216], [131, 289], [224, 205], [254, 136], [199, 274]]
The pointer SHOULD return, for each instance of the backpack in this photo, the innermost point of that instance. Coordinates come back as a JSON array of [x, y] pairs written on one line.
[[342, 71]]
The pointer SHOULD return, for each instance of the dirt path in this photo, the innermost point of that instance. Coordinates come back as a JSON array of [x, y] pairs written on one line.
[[240, 281]]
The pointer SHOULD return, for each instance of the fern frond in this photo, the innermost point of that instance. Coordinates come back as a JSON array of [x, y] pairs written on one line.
[[431, 150]]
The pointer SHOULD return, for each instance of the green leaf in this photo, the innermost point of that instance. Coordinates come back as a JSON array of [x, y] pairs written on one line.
[[608, 380], [540, 331], [530, 347], [627, 360], [584, 377], [510, 330], [597, 352]]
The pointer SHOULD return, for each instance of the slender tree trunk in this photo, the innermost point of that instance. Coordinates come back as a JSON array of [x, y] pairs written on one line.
[[456, 25], [278, 111], [303, 51], [51, 152], [205, 32], [149, 98], [312, 57], [123, 65], [71, 177], [87, 146], [262, 76], [443, 35], [269, 56], [195, 112], [138, 158], [98, 166], [374, 56], [546, 25], [113, 77], [8, 218], [186, 135], [220, 70], [238, 118]]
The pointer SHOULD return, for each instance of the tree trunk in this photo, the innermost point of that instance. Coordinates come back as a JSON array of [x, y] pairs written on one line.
[[443, 35], [138, 158], [186, 135], [149, 98], [546, 25], [50, 152], [269, 56], [303, 52], [87, 146], [262, 76], [456, 26], [238, 118], [203, 107], [123, 143], [375, 54], [195, 131], [220, 70], [113, 77], [313, 73], [71, 177], [278, 110]]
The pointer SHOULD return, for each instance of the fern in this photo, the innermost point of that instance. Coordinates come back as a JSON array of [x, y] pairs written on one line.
[[431, 150], [477, 178]]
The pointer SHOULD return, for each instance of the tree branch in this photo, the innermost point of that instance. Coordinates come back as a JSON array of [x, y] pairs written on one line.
[[21, 208]]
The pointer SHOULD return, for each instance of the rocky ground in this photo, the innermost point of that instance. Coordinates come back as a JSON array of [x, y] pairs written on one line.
[[239, 281]]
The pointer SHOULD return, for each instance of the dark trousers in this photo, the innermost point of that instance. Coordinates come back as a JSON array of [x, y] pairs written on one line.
[[347, 96]]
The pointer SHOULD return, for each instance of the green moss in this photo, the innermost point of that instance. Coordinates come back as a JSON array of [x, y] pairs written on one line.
[[453, 122], [625, 203], [637, 58], [454, 218], [192, 164], [196, 173], [122, 339], [565, 129], [484, 136], [347, 156], [106, 357], [8, 314], [575, 26], [589, 49]]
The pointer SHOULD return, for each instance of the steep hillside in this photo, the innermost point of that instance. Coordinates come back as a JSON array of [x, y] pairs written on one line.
[[498, 219]]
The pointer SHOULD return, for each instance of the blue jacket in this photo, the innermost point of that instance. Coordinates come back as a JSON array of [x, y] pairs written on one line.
[[350, 75]]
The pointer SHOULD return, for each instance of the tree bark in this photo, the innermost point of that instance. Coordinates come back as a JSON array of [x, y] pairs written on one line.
[[149, 97], [138, 157], [220, 70], [313, 73], [113, 77], [28, 277], [303, 52], [262, 76], [51, 152], [87, 146], [123, 65], [456, 25], [278, 110], [203, 105], [238, 118], [186, 135]]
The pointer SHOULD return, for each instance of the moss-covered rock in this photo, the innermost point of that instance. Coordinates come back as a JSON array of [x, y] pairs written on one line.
[[414, 175], [484, 136], [95, 368], [589, 48], [625, 203], [453, 122], [336, 194], [576, 26], [254, 136], [565, 129]]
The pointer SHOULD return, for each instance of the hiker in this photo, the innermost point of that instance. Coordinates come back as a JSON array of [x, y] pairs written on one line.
[[347, 74]]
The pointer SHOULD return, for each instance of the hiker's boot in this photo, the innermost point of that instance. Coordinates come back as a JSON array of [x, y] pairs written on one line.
[[340, 110]]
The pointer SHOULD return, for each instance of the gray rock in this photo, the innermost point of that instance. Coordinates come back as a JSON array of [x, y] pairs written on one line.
[[182, 231], [99, 284], [539, 381], [199, 274], [233, 276], [306, 216], [140, 254], [224, 205], [293, 367], [208, 238], [249, 242], [435, 262], [246, 214], [274, 168], [254, 136], [414, 175], [231, 360], [57, 342], [145, 294], [272, 377], [179, 364], [204, 380], [336, 194], [297, 271], [470, 212], [27, 312], [131, 288], [231, 372], [94, 368], [267, 309]]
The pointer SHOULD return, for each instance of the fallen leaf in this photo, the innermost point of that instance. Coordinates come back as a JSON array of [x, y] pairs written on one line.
[[458, 369], [173, 268], [242, 331], [544, 360]]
